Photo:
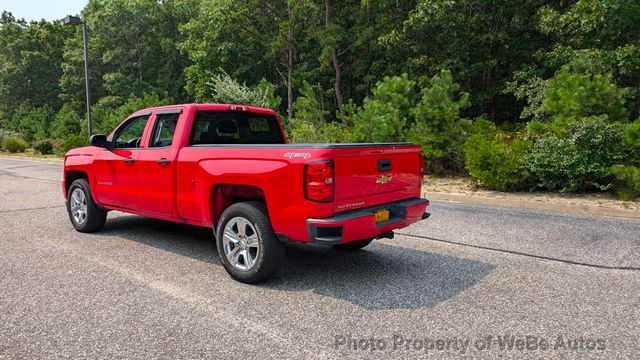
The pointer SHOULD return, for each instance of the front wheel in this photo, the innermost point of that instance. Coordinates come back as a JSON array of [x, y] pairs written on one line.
[[247, 245], [84, 213]]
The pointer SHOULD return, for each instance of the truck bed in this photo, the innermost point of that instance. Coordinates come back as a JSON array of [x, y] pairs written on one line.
[[309, 145]]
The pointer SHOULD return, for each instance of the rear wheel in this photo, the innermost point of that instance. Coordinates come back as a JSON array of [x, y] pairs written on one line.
[[248, 247], [84, 213], [354, 245]]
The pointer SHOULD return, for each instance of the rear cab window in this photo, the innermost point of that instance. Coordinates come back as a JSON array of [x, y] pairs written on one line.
[[163, 130], [222, 127]]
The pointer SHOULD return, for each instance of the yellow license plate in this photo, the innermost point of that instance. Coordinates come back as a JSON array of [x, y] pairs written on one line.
[[382, 216]]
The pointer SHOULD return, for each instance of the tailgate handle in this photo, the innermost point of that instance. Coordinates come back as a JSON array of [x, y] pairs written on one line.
[[384, 165]]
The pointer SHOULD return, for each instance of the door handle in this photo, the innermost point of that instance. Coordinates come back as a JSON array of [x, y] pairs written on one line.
[[164, 161], [129, 160]]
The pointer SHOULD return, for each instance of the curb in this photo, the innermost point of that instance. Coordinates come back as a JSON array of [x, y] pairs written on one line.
[[534, 205]]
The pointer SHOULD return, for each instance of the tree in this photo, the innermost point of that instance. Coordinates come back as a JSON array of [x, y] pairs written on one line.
[[226, 90], [599, 37], [438, 126], [310, 107], [29, 64], [252, 40], [66, 122], [33, 123], [481, 42], [570, 96], [333, 55], [385, 115], [132, 50]]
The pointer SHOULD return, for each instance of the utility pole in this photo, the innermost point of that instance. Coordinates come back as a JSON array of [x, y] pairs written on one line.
[[74, 20]]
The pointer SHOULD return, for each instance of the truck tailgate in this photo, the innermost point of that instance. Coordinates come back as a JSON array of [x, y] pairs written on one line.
[[372, 175]]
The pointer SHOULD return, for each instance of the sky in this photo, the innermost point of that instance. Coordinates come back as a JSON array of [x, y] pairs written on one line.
[[42, 9]]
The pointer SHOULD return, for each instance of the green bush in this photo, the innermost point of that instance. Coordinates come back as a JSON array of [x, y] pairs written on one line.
[[632, 140], [335, 132], [33, 123], [44, 147], [7, 133], [305, 132], [66, 122], [74, 141], [14, 145], [627, 183], [537, 129], [57, 146], [578, 162], [308, 132], [496, 159], [224, 89]]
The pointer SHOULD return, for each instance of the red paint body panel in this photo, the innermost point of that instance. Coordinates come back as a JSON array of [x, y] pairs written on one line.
[[356, 173], [114, 180], [194, 184]]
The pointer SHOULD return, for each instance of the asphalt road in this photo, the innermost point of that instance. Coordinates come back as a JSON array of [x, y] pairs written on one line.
[[471, 281]]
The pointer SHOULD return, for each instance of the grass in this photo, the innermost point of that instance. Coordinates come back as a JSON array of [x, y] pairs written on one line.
[[31, 154]]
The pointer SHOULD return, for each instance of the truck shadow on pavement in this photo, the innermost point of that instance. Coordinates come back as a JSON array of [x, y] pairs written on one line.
[[186, 240], [379, 277]]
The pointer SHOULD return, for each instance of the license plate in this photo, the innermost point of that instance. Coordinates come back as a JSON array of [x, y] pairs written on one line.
[[382, 216]]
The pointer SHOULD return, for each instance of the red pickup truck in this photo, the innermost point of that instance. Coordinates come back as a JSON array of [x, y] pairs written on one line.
[[229, 168]]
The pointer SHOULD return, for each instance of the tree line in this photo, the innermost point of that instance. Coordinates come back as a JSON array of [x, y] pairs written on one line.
[[518, 94]]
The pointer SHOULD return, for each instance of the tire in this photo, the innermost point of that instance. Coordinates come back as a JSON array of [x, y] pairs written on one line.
[[353, 246], [247, 245], [84, 213]]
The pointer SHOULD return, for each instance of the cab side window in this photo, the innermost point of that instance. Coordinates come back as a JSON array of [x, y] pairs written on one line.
[[163, 130], [131, 133]]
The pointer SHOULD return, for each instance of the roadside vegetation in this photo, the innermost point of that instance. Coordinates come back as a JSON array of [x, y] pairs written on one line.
[[516, 95]]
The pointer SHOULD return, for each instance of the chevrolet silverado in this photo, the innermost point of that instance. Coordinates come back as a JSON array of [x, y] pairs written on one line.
[[229, 168]]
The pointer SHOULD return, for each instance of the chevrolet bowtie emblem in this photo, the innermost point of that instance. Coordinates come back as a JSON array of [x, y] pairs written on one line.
[[383, 179]]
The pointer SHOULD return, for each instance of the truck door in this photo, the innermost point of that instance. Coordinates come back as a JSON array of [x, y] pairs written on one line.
[[156, 166], [115, 169]]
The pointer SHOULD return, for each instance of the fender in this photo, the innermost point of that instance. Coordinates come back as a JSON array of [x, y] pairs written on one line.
[[80, 159], [260, 174]]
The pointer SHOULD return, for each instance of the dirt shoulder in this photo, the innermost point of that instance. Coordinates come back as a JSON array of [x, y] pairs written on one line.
[[461, 190], [32, 156]]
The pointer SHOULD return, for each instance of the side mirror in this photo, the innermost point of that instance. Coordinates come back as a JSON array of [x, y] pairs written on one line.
[[100, 141]]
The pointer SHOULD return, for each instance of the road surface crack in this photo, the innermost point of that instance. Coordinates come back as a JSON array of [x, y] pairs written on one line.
[[540, 257], [29, 209]]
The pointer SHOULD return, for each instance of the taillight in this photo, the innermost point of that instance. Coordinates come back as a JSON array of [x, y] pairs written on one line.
[[421, 165], [318, 181]]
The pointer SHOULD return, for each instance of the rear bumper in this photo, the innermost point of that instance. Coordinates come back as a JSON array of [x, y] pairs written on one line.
[[361, 225]]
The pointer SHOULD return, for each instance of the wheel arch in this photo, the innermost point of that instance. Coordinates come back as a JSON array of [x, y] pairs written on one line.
[[222, 196], [72, 175]]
